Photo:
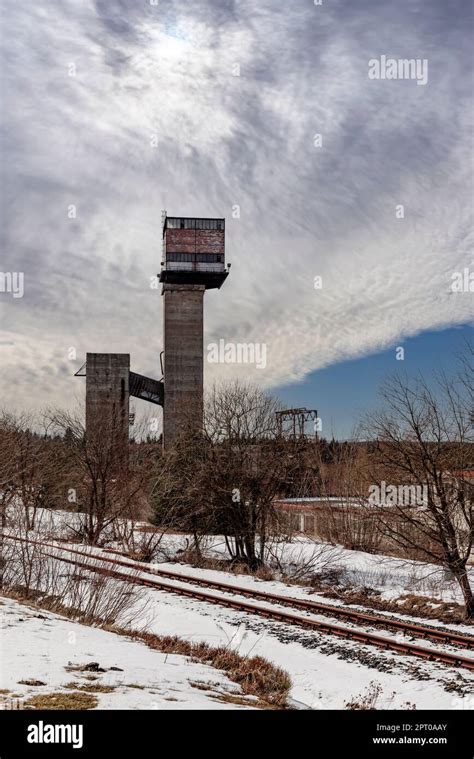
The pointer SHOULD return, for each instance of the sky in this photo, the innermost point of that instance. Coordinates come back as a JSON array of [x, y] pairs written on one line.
[[348, 199]]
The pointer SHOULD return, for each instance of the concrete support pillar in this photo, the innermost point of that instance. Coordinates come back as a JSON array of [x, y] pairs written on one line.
[[183, 346], [107, 403]]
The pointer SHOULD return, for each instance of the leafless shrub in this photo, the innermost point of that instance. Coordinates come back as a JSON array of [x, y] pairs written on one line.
[[370, 698], [22, 558], [367, 700], [369, 578], [301, 559], [352, 525], [32, 572], [332, 577], [142, 546]]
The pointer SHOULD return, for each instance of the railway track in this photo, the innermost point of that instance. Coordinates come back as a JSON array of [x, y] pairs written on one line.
[[438, 635], [408, 628]]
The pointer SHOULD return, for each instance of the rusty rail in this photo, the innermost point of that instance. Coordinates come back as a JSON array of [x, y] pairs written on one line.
[[277, 614]]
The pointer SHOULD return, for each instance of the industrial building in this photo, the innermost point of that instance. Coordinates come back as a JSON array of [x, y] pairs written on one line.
[[193, 262]]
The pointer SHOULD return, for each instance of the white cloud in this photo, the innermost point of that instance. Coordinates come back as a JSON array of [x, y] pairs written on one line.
[[225, 140]]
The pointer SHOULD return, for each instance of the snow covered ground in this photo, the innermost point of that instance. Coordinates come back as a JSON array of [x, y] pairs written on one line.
[[390, 576], [326, 672], [47, 648], [278, 588]]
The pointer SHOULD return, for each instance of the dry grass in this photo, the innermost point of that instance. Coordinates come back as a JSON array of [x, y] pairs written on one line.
[[60, 700], [91, 687], [432, 608], [229, 698], [265, 573], [409, 603], [149, 528], [368, 699], [199, 561], [31, 682], [255, 675], [201, 685]]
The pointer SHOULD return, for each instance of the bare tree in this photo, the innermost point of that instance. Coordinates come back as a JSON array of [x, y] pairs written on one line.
[[224, 478], [8, 486], [425, 440], [249, 462], [30, 465], [181, 492], [347, 518], [102, 482]]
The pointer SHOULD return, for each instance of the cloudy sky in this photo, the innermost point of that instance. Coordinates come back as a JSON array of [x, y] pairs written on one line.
[[116, 109]]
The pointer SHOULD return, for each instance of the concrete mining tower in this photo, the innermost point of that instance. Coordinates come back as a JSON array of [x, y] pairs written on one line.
[[193, 262]]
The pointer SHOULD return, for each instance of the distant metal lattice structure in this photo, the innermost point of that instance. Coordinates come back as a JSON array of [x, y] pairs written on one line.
[[292, 423]]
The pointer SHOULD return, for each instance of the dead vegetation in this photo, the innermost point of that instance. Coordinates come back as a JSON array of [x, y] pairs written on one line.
[[424, 442], [408, 603], [368, 699], [232, 698], [73, 589], [255, 675], [224, 478], [90, 687], [60, 700]]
